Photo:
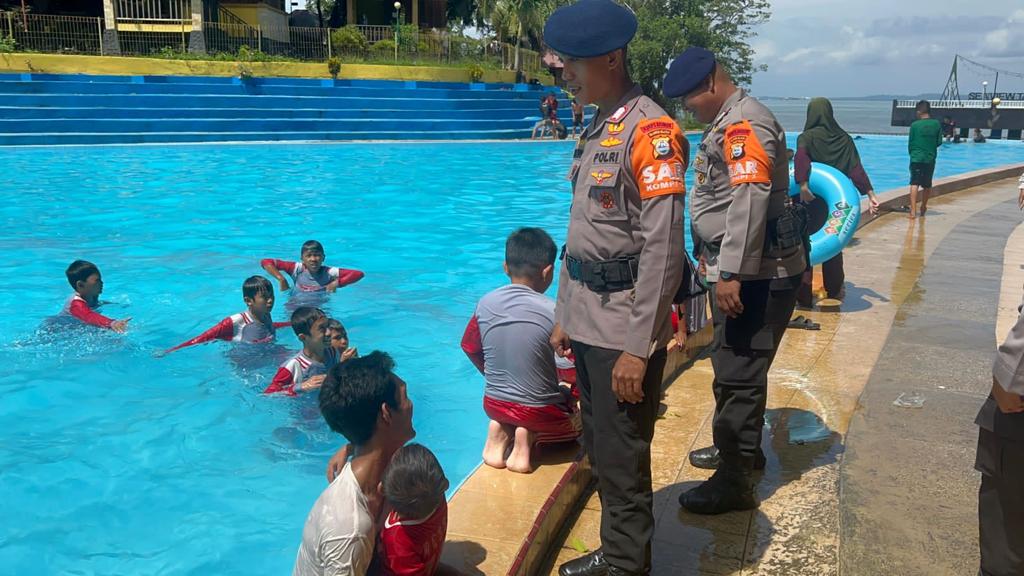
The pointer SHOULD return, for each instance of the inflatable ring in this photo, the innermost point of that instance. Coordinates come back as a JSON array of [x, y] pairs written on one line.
[[843, 201]]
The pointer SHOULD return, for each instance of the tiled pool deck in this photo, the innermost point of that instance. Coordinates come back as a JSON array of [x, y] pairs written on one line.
[[853, 483]]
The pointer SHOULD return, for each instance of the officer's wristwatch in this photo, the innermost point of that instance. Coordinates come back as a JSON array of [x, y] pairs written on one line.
[[727, 276]]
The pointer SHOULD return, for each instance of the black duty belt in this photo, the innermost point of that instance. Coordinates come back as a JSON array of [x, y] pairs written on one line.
[[604, 275]]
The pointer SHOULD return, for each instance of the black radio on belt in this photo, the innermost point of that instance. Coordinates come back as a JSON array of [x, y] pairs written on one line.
[[604, 275]]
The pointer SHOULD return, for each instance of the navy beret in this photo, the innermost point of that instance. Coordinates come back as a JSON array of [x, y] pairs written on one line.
[[687, 71], [589, 28]]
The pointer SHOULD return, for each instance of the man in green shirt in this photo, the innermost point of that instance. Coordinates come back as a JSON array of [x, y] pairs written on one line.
[[925, 139]]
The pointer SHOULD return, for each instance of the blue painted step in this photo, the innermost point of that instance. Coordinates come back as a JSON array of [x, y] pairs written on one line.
[[257, 125], [255, 101], [50, 113]]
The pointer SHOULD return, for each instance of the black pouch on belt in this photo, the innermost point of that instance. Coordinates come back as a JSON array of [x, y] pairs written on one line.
[[789, 229]]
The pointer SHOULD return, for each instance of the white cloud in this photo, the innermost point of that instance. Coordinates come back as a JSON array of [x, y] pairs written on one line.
[[1006, 40]]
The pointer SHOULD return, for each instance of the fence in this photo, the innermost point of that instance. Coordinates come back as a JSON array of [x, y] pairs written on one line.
[[224, 41], [1003, 104]]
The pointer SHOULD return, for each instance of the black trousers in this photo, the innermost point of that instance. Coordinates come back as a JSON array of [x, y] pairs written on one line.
[[617, 437], [742, 353], [1001, 504], [832, 274]]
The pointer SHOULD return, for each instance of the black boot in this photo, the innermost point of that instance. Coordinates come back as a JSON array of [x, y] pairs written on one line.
[[592, 564], [729, 488], [708, 459]]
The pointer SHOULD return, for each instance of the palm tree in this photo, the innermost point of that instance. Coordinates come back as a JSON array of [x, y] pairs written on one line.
[[516, 17]]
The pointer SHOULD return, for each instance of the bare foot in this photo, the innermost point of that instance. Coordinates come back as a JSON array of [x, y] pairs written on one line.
[[498, 441], [519, 460]]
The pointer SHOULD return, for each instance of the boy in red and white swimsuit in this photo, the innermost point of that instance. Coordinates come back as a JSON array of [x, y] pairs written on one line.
[[253, 326], [414, 529], [507, 339], [310, 274], [306, 370], [85, 278]]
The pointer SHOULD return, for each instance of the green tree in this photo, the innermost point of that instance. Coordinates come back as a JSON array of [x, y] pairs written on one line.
[[515, 20], [667, 27]]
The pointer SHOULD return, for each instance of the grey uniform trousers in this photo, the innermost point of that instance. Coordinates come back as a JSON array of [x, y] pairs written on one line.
[[742, 353], [1001, 503], [617, 437]]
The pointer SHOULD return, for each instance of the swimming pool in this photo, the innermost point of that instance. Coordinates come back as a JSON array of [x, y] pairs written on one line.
[[118, 462]]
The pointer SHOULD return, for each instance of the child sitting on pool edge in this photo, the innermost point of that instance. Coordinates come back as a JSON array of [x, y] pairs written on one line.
[[306, 370], [87, 282], [310, 274], [508, 340], [413, 532], [254, 326], [339, 340]]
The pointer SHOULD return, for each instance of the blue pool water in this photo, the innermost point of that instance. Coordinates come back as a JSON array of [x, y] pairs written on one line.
[[116, 462]]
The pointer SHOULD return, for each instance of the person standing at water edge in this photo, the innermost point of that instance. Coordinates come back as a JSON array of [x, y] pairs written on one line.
[[924, 142], [824, 141], [622, 265], [754, 258], [1000, 459]]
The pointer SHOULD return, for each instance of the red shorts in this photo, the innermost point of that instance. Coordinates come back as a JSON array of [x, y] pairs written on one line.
[[551, 423]]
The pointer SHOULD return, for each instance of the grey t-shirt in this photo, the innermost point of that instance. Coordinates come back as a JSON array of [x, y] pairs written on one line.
[[519, 364]]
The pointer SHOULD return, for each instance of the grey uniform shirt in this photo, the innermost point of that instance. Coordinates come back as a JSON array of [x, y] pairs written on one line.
[[628, 200], [1008, 372], [742, 182]]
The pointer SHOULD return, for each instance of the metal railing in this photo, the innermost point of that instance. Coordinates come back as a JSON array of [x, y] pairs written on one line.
[[150, 10], [55, 34], [1003, 104], [81, 35]]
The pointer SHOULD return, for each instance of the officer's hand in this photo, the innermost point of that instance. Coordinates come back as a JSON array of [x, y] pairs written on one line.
[[560, 341], [1009, 403], [337, 462], [628, 378], [727, 297], [702, 268], [282, 283], [805, 193]]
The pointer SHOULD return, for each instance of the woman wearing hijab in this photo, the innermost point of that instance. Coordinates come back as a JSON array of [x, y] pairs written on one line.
[[824, 141]]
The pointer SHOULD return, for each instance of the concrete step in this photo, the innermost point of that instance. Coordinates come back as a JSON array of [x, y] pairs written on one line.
[[410, 102], [196, 125], [97, 113], [58, 139]]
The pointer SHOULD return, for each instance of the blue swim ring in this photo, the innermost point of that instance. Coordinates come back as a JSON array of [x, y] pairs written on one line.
[[843, 200]]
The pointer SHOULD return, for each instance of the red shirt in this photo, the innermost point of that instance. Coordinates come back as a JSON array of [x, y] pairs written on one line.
[[79, 308], [412, 547]]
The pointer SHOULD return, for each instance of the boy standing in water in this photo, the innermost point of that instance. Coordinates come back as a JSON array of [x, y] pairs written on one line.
[[339, 340], [310, 274], [306, 370], [924, 142], [253, 326], [85, 279]]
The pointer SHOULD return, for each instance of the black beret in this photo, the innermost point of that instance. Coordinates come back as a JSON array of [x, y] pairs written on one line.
[[589, 28], [687, 71]]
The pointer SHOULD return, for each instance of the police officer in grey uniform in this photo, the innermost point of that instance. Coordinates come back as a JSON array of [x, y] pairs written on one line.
[[622, 264], [1000, 460], [752, 246]]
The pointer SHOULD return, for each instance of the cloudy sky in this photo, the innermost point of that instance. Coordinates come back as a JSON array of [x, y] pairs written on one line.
[[855, 48]]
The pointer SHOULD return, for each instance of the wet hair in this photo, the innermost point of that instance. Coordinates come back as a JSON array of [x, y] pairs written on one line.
[[528, 251], [353, 392], [923, 107], [311, 246], [336, 326], [254, 285], [414, 482], [303, 319], [79, 271]]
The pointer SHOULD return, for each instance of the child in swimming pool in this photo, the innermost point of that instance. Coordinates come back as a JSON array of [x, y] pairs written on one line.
[[339, 340], [305, 371], [254, 326], [87, 282], [414, 528], [310, 274]]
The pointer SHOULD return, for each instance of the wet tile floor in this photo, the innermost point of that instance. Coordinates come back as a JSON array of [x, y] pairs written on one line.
[[895, 511]]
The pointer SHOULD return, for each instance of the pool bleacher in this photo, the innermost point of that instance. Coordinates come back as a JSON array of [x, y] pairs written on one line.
[[55, 109]]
